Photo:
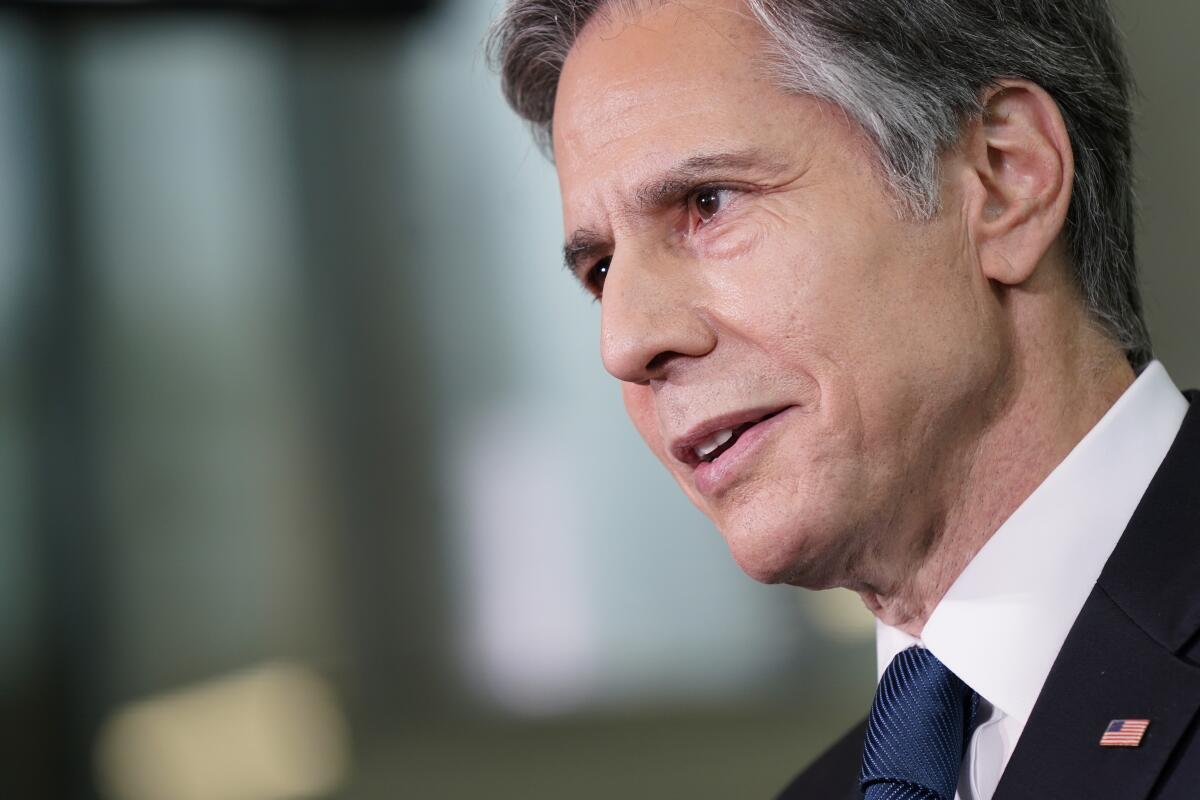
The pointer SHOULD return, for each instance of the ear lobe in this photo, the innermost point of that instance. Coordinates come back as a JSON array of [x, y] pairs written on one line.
[[1020, 157]]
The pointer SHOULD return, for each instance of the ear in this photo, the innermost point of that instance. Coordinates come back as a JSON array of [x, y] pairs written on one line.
[[1021, 169]]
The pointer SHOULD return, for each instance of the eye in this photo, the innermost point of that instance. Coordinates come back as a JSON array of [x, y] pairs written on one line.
[[707, 202], [594, 279]]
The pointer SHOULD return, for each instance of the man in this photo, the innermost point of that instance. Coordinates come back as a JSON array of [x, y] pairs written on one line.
[[867, 277]]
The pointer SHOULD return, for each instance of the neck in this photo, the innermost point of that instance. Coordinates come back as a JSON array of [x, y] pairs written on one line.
[[1053, 398]]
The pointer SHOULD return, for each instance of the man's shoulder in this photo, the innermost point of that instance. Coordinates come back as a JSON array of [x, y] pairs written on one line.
[[1131, 653], [834, 775]]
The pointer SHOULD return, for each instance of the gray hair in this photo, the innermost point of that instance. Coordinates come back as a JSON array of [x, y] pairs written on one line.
[[911, 73]]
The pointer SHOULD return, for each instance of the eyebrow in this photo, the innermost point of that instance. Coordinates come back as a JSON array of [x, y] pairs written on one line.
[[582, 246], [666, 189]]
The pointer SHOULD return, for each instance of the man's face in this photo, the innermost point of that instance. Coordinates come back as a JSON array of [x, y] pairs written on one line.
[[809, 367]]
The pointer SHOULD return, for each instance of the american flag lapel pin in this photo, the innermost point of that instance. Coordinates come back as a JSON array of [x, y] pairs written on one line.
[[1124, 733]]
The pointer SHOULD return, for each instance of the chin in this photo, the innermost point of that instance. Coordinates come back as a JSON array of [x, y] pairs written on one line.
[[768, 556], [810, 555], [763, 570]]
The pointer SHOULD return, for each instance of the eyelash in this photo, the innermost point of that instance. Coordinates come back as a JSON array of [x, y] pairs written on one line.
[[590, 281], [692, 198], [595, 285]]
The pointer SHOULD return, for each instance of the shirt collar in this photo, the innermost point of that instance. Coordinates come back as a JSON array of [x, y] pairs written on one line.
[[1002, 622]]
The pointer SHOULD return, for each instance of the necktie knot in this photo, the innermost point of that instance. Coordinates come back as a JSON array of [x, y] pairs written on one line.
[[920, 723]]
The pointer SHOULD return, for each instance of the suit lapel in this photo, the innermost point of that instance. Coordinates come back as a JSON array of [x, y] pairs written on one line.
[[1108, 669], [834, 774], [1120, 659]]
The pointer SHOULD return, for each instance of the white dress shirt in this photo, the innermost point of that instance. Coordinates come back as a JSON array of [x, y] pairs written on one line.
[[1002, 622]]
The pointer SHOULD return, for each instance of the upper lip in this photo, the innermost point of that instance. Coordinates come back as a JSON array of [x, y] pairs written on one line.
[[684, 447]]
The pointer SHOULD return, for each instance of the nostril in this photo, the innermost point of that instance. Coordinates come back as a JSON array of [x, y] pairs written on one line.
[[661, 360]]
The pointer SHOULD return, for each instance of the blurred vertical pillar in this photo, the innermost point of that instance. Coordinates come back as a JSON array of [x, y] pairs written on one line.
[[370, 361], [63, 705]]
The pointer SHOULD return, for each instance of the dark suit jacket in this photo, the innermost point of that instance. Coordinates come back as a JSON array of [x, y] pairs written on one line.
[[1133, 653]]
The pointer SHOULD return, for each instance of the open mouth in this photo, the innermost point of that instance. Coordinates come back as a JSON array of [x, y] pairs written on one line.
[[721, 441]]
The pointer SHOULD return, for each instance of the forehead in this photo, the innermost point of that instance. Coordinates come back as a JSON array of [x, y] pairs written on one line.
[[643, 87], [678, 50]]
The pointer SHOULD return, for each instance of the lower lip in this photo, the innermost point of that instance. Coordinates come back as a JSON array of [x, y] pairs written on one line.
[[714, 477]]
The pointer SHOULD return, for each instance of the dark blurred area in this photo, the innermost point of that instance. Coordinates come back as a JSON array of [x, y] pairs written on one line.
[[311, 482]]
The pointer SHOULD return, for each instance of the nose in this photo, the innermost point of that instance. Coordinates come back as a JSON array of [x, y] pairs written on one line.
[[651, 318]]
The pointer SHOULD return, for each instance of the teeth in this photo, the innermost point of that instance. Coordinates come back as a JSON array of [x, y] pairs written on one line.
[[716, 440]]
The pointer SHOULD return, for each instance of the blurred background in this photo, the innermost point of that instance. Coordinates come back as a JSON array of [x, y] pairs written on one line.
[[311, 482]]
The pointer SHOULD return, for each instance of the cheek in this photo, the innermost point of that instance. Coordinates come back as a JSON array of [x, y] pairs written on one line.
[[639, 404]]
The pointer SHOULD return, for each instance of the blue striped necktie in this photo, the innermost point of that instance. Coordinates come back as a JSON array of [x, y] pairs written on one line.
[[920, 723]]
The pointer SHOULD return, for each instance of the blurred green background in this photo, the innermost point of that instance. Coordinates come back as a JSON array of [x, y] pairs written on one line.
[[311, 481]]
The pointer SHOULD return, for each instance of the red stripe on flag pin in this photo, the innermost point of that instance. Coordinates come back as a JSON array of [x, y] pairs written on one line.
[[1124, 733]]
